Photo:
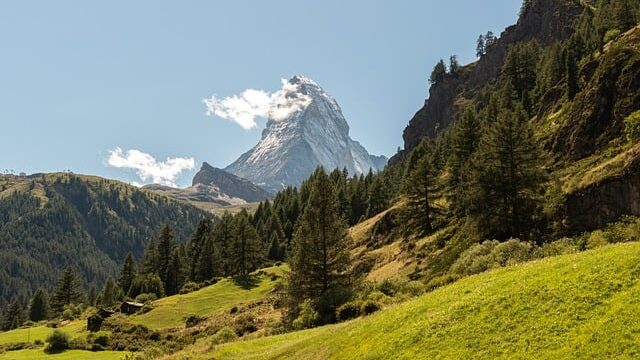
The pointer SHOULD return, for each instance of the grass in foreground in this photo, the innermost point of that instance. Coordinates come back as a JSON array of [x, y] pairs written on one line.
[[583, 305], [74, 329], [66, 355], [171, 311]]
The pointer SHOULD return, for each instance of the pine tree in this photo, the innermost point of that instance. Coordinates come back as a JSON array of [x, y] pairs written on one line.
[[465, 137], [378, 199], [175, 274], [197, 242], [246, 252], [127, 273], [208, 264], [39, 306], [480, 46], [110, 293], [150, 258], [454, 65], [439, 72], [165, 249], [489, 40], [13, 316], [223, 238], [67, 291], [92, 298], [320, 260], [420, 187], [519, 70], [507, 178]]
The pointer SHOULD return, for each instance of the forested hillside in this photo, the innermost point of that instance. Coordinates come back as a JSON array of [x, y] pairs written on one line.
[[51, 221]]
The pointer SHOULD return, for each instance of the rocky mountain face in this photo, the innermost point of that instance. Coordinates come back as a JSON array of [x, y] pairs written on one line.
[[291, 148], [545, 21], [215, 186], [584, 134], [229, 184]]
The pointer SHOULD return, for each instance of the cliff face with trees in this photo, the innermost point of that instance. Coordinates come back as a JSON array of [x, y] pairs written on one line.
[[545, 21], [574, 67]]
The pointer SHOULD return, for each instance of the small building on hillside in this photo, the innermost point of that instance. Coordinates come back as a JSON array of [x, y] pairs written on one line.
[[130, 307]]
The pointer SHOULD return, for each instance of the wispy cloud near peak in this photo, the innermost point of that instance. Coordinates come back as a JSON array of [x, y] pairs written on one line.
[[148, 168], [243, 109]]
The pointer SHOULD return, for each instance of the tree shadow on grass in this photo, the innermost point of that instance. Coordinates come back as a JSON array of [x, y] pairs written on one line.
[[247, 282]]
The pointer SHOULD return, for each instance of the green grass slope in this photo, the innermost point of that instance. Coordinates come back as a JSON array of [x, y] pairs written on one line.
[[583, 306], [172, 311], [74, 329]]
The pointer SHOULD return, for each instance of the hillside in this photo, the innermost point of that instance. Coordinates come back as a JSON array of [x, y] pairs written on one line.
[[50, 221], [575, 306], [171, 312]]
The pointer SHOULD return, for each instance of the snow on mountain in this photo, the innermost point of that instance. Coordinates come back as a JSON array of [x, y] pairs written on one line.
[[293, 146]]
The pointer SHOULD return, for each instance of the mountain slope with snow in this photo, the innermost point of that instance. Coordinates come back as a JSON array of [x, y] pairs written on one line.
[[292, 147]]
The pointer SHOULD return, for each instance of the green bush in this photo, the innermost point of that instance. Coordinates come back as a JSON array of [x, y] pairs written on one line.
[[57, 341], [632, 127], [245, 324], [369, 307], [223, 336], [189, 287], [611, 35], [146, 298], [348, 311], [308, 316], [193, 320], [490, 255]]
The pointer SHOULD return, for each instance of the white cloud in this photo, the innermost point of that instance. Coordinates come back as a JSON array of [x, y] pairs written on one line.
[[148, 168], [243, 109]]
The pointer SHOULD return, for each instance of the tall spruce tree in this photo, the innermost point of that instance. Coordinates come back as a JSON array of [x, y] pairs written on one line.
[[320, 261], [39, 306], [110, 293], [465, 137], [166, 246], [127, 273], [420, 188], [13, 316], [175, 273], [439, 72], [208, 263], [67, 291], [507, 178], [247, 252], [197, 243]]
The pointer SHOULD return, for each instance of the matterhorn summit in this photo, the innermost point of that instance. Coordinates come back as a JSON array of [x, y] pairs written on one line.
[[295, 142]]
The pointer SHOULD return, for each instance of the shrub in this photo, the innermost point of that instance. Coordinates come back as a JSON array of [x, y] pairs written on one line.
[[146, 298], [189, 287], [308, 316], [193, 320], [223, 336], [57, 341], [369, 307], [490, 255], [611, 35], [387, 287], [245, 324], [348, 311], [632, 127], [38, 342]]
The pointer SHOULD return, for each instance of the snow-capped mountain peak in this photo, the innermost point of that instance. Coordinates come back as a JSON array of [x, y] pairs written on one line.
[[291, 147]]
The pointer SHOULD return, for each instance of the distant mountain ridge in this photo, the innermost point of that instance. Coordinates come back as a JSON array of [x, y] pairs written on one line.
[[290, 149], [212, 186], [50, 221]]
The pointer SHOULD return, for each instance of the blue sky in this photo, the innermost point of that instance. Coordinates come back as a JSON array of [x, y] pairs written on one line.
[[82, 78]]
